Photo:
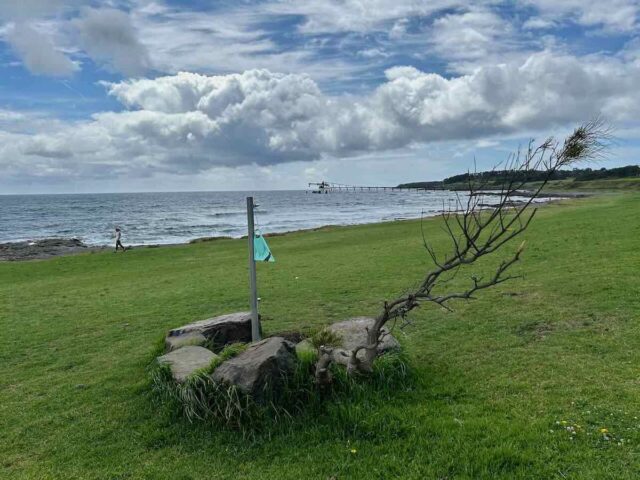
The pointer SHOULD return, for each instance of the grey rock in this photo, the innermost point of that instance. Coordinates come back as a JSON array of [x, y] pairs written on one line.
[[175, 342], [262, 366], [354, 333], [219, 331], [187, 360]]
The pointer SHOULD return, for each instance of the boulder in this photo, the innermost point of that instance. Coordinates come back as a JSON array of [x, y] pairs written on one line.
[[218, 331], [175, 342], [187, 360], [260, 367], [353, 333]]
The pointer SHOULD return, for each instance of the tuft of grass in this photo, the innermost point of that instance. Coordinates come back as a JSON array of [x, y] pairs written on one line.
[[325, 337], [225, 354], [307, 356], [232, 350], [295, 401]]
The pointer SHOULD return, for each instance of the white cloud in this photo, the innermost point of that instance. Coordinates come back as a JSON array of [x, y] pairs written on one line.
[[620, 15], [472, 37], [539, 23], [189, 123], [330, 16], [38, 53], [109, 37], [230, 40], [233, 37], [29, 122], [399, 29], [325, 16], [29, 9], [373, 53]]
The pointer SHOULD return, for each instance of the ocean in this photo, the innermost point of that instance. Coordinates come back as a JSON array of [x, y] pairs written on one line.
[[178, 217]]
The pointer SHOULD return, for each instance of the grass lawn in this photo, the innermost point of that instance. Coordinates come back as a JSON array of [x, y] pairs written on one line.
[[498, 381], [629, 183], [570, 185]]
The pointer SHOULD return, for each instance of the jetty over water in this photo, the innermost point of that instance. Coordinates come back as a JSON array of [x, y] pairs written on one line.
[[327, 187]]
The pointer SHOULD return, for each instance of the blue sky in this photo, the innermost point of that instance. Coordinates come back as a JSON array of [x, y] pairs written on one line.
[[131, 95]]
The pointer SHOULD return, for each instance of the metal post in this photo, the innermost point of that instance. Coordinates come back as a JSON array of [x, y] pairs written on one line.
[[253, 290]]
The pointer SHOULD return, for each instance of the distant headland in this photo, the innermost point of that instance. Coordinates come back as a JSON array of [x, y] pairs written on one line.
[[576, 178]]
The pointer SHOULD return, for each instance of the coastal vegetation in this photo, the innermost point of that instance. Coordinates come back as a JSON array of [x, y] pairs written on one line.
[[562, 179], [535, 379]]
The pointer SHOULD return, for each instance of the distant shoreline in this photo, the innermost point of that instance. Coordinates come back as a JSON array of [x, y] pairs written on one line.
[[45, 248]]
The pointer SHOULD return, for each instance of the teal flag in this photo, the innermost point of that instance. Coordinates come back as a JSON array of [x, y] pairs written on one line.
[[261, 252]]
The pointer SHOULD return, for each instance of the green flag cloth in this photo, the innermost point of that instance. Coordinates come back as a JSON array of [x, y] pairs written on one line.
[[261, 252]]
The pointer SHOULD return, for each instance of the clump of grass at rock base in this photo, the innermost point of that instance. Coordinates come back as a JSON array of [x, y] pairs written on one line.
[[295, 402], [490, 380]]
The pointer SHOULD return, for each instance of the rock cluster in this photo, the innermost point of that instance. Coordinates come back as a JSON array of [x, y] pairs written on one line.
[[264, 365]]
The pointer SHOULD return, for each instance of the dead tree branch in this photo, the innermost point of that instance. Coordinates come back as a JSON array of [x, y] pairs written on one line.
[[475, 232]]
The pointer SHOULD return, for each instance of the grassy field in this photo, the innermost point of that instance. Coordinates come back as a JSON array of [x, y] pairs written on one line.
[[631, 183], [501, 383], [571, 185]]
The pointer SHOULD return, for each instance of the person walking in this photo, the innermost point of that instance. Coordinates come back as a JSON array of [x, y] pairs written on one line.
[[118, 241]]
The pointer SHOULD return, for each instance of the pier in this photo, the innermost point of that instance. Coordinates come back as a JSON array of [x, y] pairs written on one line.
[[327, 187]]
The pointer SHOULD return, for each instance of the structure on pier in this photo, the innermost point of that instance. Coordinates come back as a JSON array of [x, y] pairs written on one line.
[[326, 187]]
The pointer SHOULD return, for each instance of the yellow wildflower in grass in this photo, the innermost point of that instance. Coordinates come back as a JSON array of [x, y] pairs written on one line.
[[604, 430], [353, 450]]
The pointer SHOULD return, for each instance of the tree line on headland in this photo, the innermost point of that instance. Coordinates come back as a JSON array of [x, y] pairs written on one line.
[[497, 177]]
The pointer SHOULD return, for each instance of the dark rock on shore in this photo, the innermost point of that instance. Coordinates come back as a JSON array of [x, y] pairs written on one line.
[[39, 249]]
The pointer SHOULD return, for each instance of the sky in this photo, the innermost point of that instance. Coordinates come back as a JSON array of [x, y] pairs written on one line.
[[138, 95]]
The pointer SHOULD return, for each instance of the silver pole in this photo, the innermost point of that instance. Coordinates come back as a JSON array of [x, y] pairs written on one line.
[[253, 289]]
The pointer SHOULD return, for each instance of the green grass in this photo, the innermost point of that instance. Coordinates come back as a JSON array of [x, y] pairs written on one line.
[[570, 185], [491, 379], [290, 404], [590, 186], [631, 183]]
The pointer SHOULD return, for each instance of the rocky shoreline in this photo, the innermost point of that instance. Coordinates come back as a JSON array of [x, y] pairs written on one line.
[[42, 249]]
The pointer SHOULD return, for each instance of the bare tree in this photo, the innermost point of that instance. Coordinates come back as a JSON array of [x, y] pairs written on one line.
[[475, 232]]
